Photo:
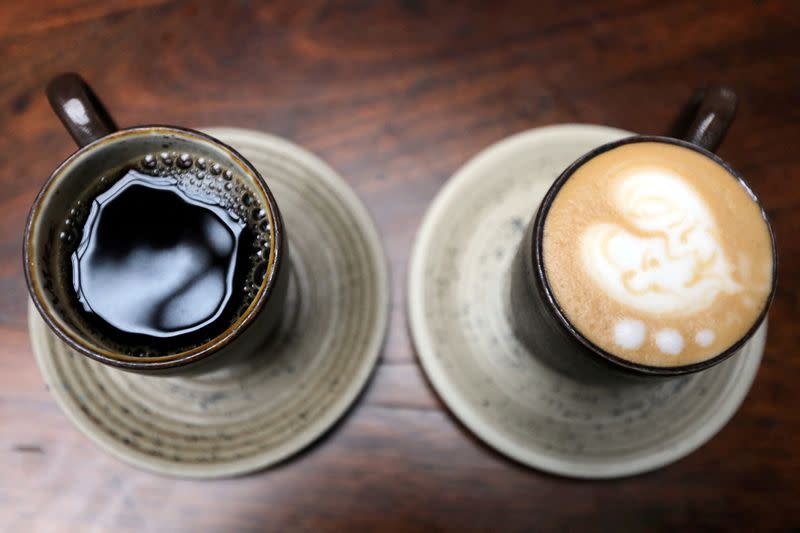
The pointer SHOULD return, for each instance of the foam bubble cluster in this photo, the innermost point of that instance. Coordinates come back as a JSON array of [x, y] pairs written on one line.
[[210, 182]]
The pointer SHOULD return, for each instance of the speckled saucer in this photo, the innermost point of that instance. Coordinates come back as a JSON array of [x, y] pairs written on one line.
[[250, 416], [492, 384]]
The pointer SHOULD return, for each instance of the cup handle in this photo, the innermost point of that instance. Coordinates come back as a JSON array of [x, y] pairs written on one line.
[[79, 108], [706, 117]]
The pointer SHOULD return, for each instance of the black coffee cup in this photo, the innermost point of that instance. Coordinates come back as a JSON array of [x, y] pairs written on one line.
[[536, 316], [102, 147]]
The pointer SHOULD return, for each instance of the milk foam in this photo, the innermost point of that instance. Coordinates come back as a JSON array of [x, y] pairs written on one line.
[[657, 254], [629, 333], [704, 337], [669, 341], [667, 258]]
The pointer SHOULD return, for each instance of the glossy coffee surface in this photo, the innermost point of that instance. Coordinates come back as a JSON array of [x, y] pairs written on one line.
[[164, 253]]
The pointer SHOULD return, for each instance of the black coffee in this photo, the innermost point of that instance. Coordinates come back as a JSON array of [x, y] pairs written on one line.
[[169, 254]]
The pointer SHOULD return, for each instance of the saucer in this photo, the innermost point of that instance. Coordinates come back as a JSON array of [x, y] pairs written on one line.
[[490, 381], [252, 415]]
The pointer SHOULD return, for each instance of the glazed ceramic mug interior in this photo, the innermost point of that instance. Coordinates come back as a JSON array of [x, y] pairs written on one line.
[[49, 286]]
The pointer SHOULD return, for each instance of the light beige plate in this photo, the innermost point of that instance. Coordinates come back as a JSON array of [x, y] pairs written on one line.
[[490, 382], [251, 416]]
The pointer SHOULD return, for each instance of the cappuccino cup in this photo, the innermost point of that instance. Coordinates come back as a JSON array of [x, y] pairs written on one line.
[[649, 257]]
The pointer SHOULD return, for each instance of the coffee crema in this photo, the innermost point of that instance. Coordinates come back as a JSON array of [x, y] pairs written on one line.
[[657, 254]]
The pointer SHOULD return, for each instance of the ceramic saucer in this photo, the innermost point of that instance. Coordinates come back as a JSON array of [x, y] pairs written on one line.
[[250, 416], [488, 379]]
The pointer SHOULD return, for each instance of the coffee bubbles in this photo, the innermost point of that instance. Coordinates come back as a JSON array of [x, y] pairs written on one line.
[[668, 261]]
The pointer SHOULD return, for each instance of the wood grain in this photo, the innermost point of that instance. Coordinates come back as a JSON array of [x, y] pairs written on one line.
[[396, 96]]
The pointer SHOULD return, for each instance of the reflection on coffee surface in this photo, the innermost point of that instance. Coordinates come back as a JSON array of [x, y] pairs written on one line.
[[170, 252], [657, 254]]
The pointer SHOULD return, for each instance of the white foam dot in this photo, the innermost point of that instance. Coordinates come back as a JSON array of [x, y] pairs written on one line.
[[629, 333], [704, 337], [669, 341]]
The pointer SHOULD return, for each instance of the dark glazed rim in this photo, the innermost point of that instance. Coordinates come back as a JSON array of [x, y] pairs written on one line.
[[185, 357], [547, 295]]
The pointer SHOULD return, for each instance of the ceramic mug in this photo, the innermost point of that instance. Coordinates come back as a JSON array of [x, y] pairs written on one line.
[[104, 147], [534, 313]]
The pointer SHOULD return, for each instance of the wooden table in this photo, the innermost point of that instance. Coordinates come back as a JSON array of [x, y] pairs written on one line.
[[396, 96]]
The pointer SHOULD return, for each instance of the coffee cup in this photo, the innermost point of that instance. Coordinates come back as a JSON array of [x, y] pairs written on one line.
[[649, 257], [153, 249]]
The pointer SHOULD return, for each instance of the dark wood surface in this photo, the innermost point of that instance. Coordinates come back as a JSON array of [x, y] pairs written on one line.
[[396, 96]]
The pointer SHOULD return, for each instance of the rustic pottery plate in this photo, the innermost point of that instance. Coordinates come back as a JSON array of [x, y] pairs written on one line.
[[250, 416], [487, 378]]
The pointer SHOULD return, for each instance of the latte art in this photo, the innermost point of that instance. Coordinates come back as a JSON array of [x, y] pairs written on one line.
[[667, 258], [657, 254]]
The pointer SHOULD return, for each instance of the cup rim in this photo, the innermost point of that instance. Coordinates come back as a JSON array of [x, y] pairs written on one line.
[[184, 357], [546, 293]]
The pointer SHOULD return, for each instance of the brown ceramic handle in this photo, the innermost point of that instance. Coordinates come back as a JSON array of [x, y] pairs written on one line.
[[79, 109], [706, 117]]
